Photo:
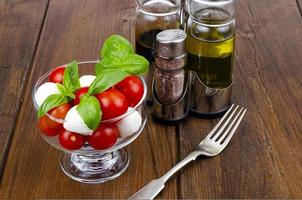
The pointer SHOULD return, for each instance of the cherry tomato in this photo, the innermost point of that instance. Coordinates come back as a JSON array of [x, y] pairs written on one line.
[[57, 75], [79, 93], [104, 137], [50, 127], [70, 140], [132, 88], [45, 128], [113, 103]]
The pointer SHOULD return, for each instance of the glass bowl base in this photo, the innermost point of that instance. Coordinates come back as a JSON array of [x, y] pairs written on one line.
[[96, 168]]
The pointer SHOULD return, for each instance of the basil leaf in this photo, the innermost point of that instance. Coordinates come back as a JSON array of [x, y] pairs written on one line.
[[135, 64], [132, 64], [71, 79], [61, 88], [71, 95], [51, 102], [90, 111], [106, 79], [118, 53], [116, 46], [64, 91], [107, 62]]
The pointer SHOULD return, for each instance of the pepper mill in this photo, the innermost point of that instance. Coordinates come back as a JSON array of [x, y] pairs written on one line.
[[170, 85]]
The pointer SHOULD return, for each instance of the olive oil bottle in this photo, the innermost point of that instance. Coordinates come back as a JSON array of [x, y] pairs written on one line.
[[210, 47], [211, 60]]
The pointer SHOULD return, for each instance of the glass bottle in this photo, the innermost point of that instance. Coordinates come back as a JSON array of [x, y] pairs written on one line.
[[152, 17], [210, 47]]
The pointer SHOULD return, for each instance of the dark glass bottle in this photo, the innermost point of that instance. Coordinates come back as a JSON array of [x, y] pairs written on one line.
[[152, 17]]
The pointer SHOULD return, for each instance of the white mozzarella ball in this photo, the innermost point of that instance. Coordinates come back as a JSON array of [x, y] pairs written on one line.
[[45, 90], [130, 124], [86, 80], [74, 122]]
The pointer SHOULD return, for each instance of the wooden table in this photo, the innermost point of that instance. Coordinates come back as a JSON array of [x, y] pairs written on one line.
[[264, 159]]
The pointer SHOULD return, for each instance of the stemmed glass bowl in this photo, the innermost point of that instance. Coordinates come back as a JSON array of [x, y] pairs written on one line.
[[87, 164]]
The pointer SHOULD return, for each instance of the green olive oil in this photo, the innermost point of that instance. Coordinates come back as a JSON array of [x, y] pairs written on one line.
[[210, 55]]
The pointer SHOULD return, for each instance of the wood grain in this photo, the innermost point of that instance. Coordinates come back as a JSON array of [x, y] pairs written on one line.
[[299, 2], [19, 32], [77, 29], [264, 159]]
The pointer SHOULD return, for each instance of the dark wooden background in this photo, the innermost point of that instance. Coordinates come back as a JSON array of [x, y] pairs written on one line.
[[264, 159]]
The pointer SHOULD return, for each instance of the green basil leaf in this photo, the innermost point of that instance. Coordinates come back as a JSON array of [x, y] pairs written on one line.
[[106, 79], [135, 64], [64, 91], [107, 62], [132, 64], [90, 111], [71, 79], [61, 88], [51, 102], [116, 46], [71, 95]]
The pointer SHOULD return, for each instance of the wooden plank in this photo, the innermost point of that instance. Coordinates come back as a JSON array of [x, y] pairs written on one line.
[[264, 158], [19, 33], [299, 2], [76, 29]]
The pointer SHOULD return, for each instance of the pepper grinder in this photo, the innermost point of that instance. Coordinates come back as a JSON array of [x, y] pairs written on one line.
[[170, 85]]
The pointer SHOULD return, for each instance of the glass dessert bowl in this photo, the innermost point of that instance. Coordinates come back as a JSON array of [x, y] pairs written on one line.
[[88, 164]]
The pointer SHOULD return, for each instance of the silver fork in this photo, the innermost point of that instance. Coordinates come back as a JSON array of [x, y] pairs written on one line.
[[211, 146]]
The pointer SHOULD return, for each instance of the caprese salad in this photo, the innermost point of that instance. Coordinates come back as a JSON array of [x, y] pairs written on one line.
[[73, 108]]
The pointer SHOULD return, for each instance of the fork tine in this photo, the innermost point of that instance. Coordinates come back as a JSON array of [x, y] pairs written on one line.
[[225, 123], [225, 132], [232, 131], [220, 122]]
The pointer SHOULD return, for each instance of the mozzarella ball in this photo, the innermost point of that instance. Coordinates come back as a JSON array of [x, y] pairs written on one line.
[[74, 122], [45, 90], [86, 80], [129, 124]]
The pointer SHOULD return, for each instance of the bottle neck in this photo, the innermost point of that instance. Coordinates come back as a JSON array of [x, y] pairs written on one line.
[[154, 13], [212, 17], [204, 23]]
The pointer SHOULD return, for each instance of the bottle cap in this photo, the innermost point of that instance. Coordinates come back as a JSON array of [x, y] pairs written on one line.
[[170, 44]]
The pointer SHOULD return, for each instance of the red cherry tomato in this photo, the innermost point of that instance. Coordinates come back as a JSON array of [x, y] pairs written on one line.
[[50, 127], [79, 93], [45, 128], [132, 88], [113, 103], [104, 137], [70, 140], [57, 75]]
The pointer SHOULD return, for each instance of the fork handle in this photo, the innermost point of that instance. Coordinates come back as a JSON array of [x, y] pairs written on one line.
[[149, 191], [152, 189], [192, 156]]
